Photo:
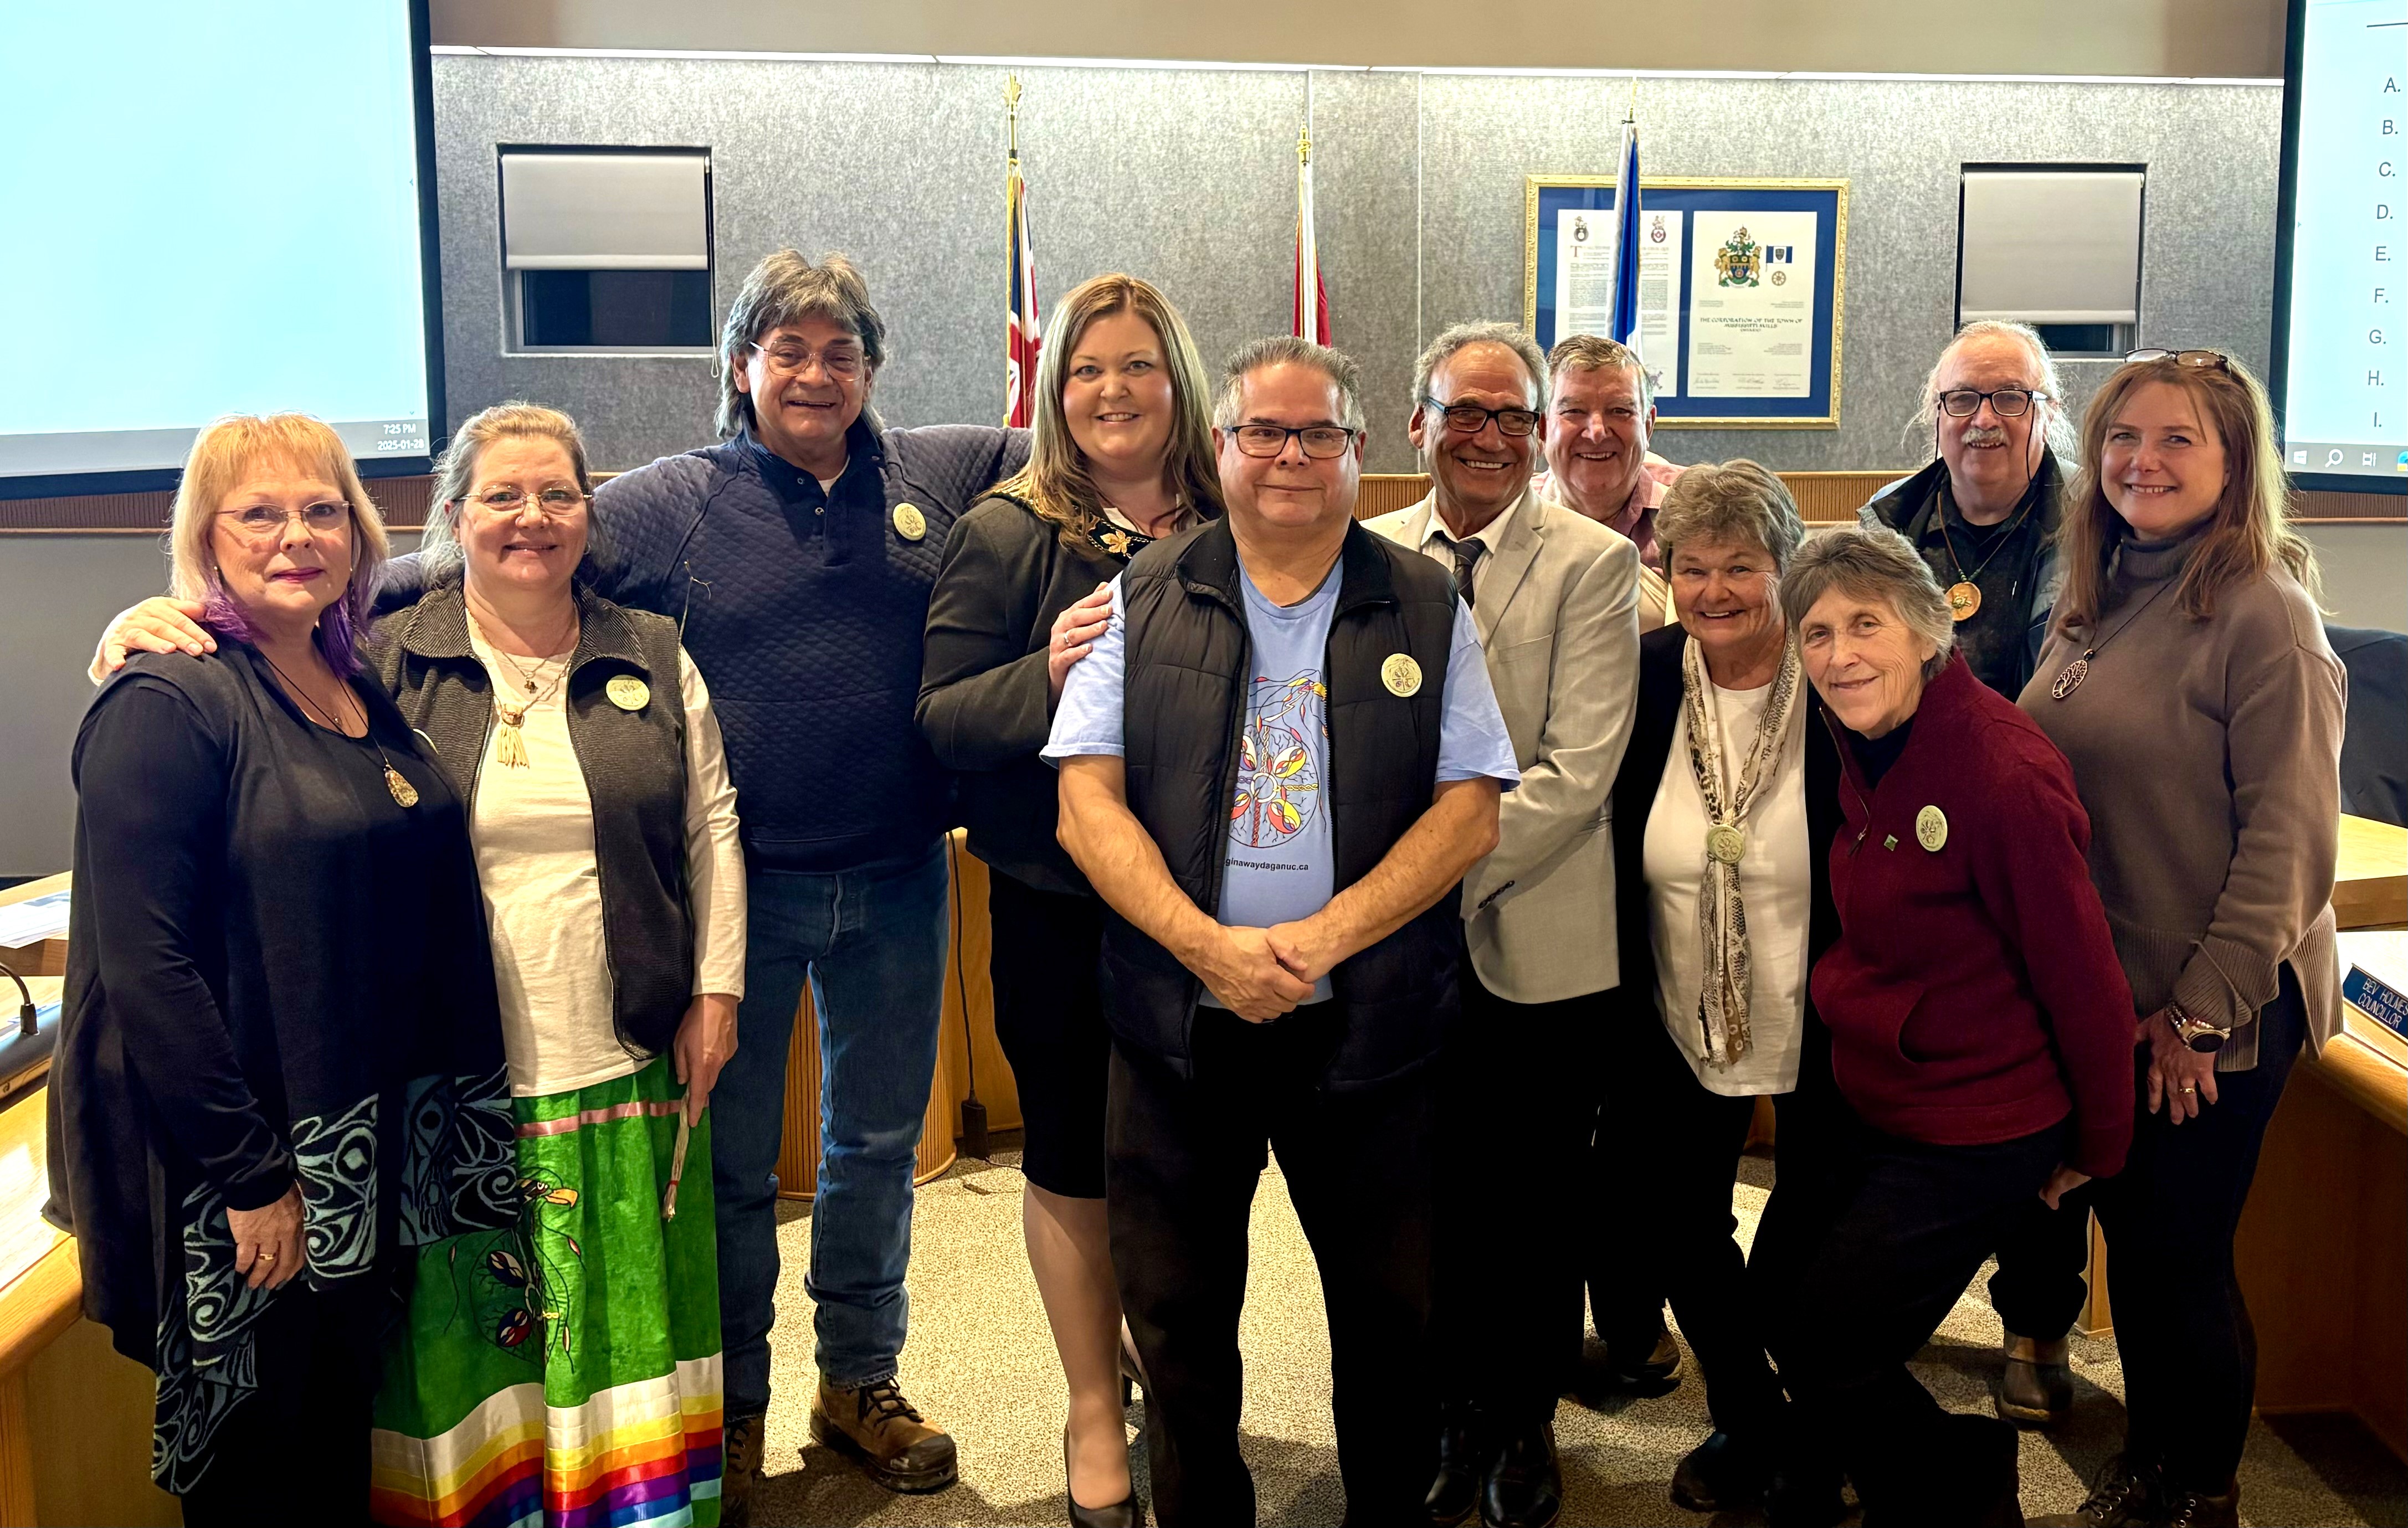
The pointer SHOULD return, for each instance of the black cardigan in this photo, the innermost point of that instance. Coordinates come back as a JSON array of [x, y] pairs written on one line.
[[1653, 728], [276, 972], [984, 704]]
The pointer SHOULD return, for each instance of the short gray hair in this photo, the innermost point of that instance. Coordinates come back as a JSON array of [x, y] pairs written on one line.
[[1464, 336], [1737, 501], [785, 287], [1289, 349], [2060, 436], [1594, 353], [1873, 564]]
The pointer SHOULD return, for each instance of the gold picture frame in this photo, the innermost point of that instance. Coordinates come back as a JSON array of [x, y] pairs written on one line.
[[1534, 185]]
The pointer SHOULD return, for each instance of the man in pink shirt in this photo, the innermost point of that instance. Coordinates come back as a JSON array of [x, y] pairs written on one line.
[[1602, 411]]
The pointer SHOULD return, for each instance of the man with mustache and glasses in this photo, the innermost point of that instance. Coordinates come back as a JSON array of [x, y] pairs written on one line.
[[1554, 596], [1600, 416], [1984, 513], [1984, 517]]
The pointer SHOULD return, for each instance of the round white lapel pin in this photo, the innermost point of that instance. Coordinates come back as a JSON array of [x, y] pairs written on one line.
[[1401, 675], [628, 692], [909, 522]]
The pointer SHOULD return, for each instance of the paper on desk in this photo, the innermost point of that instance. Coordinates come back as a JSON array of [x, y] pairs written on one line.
[[34, 920]]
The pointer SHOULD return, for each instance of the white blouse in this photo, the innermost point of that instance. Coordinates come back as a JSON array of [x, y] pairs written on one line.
[[533, 829], [1775, 881]]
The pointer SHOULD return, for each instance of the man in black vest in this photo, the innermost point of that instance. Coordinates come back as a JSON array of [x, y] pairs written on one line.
[[1277, 763]]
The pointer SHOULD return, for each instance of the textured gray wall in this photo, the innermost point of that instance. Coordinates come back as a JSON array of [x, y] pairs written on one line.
[[1185, 176]]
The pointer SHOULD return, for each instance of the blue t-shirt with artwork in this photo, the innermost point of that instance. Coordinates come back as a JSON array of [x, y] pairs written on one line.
[[1281, 862]]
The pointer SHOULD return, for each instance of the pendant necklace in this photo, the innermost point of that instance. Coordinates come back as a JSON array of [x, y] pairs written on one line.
[[1965, 594], [510, 742], [397, 785], [2069, 678]]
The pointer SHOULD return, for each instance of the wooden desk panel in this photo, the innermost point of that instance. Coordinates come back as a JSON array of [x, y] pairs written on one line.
[[2370, 876], [47, 958]]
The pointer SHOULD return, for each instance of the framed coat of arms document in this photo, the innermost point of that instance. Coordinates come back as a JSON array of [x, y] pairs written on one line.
[[1741, 290]]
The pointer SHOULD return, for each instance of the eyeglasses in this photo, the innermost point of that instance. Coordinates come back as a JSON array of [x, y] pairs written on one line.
[[843, 362], [1470, 419], [1322, 442], [2206, 359], [2007, 401], [266, 523], [503, 499]]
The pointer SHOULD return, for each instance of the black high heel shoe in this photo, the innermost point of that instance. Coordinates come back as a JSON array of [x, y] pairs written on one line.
[[1124, 1513]]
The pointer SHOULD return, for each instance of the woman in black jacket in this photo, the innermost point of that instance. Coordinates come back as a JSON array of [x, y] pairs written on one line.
[[280, 1062], [1122, 456]]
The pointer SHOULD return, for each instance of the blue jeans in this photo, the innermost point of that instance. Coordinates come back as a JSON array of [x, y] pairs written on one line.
[[872, 944]]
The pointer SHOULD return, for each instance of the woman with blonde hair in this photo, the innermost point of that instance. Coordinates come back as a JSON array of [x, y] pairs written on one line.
[[1122, 456], [2188, 678], [279, 1062]]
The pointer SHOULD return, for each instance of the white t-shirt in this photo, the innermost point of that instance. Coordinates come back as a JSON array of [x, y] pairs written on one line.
[[533, 829], [1775, 881]]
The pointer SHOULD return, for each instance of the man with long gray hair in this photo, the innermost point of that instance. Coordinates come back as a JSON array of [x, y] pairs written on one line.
[[1984, 513]]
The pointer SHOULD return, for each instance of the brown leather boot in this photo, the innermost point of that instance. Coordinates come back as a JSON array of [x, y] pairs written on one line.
[[2036, 1389], [875, 1428], [740, 1467]]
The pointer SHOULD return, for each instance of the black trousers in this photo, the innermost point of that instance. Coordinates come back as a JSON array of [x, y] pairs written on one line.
[[1518, 1090], [1184, 1156], [298, 1449], [1668, 1150], [2039, 1286], [2190, 1352], [1911, 1224]]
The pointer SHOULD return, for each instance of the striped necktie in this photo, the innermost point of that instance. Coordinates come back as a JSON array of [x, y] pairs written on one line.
[[1467, 556]]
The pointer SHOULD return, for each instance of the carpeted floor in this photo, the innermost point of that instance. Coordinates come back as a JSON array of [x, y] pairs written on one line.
[[982, 1363]]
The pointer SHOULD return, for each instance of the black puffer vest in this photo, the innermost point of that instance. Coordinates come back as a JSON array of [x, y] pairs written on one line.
[[634, 762], [1189, 659]]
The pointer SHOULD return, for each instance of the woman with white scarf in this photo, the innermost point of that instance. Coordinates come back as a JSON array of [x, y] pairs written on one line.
[[1722, 816]]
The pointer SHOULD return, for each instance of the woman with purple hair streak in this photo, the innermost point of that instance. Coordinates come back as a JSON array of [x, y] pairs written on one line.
[[280, 1062]]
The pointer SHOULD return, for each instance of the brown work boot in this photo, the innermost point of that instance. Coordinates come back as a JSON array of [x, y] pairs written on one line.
[[875, 1428], [739, 1468], [2036, 1388]]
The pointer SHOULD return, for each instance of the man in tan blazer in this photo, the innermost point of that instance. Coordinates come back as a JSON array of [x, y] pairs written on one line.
[[1554, 596]]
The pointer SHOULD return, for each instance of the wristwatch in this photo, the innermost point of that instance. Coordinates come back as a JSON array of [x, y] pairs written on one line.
[[2198, 1034]]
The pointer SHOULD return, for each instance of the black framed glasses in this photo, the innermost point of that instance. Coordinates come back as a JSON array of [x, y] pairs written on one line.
[[1322, 442], [1470, 419], [2205, 360], [2006, 402]]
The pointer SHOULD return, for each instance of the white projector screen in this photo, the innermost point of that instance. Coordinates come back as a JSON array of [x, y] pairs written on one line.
[[2340, 254], [210, 210]]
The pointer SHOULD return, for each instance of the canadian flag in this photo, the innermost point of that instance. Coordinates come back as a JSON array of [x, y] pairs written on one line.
[[1311, 310]]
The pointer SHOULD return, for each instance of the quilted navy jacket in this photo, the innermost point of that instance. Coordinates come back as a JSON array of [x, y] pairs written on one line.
[[803, 611]]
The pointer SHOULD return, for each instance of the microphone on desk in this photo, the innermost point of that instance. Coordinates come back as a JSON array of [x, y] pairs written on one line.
[[26, 1023]]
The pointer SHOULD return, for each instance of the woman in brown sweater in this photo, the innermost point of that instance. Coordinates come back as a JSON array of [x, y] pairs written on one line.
[[2188, 678]]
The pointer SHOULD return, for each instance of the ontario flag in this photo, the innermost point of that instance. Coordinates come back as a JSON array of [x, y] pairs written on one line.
[[1022, 330], [1311, 308]]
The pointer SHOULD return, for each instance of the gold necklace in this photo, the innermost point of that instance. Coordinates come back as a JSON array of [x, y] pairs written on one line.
[[1965, 594], [397, 785], [510, 740]]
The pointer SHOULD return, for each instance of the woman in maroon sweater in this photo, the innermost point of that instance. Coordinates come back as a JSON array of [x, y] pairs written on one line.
[[1981, 1026]]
